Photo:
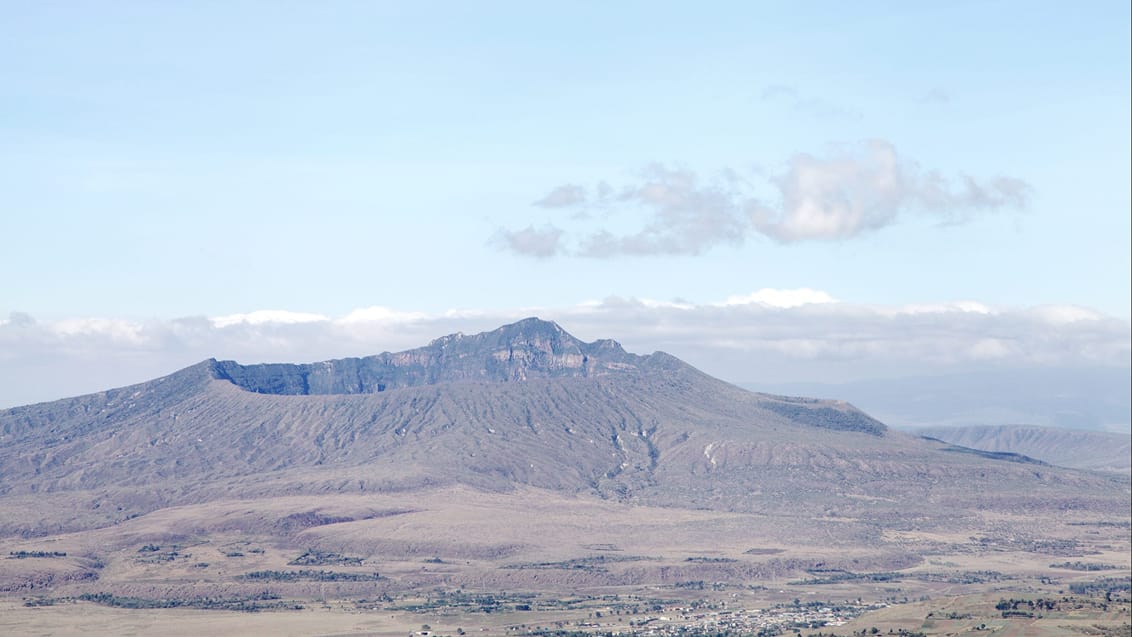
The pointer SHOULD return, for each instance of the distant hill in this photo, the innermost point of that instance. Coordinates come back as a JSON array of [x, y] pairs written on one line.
[[1093, 450], [1097, 398]]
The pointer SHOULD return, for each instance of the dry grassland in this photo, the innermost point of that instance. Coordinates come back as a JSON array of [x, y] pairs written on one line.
[[387, 564]]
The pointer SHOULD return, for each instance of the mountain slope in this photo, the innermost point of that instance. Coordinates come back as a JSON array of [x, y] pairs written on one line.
[[1093, 450], [1091, 398]]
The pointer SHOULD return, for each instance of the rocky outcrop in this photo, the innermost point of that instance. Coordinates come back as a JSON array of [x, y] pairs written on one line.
[[529, 349]]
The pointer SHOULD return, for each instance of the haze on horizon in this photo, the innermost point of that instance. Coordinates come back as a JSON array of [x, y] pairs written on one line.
[[775, 194]]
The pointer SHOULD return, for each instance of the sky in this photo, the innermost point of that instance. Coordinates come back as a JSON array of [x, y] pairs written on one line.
[[775, 191]]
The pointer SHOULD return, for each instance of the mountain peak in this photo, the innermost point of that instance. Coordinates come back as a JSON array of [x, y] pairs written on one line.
[[537, 333], [533, 323], [524, 332], [525, 350], [534, 326]]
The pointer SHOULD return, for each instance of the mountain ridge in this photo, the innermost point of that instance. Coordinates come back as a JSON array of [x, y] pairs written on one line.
[[1074, 448], [530, 348]]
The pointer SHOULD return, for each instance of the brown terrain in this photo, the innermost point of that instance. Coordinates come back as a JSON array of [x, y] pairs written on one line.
[[522, 481]]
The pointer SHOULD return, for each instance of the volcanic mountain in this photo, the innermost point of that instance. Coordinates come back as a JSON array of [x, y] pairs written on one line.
[[521, 458], [526, 405]]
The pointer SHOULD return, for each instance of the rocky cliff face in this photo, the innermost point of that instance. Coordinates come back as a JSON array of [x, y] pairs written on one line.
[[529, 349]]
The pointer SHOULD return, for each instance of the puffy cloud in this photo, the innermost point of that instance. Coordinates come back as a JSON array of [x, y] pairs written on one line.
[[686, 217], [563, 196], [781, 298], [531, 241], [865, 187], [780, 335], [1065, 314], [111, 330], [682, 215], [853, 190], [379, 314], [260, 317], [19, 319], [937, 308]]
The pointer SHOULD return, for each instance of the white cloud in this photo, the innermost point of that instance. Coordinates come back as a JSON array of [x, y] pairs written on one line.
[[563, 196], [781, 298], [865, 187], [674, 305], [1065, 314], [853, 190], [20, 319], [973, 307], [800, 334], [531, 242], [260, 317], [990, 349], [685, 216], [378, 314], [109, 329]]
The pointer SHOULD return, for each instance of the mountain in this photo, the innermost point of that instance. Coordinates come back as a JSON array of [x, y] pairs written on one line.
[[1092, 450], [525, 404], [492, 451]]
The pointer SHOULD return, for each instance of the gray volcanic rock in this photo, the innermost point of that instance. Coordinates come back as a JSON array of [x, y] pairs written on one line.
[[528, 349]]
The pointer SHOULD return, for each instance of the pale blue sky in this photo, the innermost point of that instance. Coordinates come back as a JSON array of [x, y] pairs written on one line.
[[173, 159]]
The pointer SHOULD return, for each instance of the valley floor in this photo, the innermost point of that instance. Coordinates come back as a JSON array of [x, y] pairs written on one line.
[[458, 561], [1089, 615]]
